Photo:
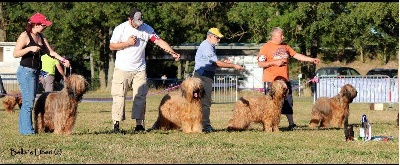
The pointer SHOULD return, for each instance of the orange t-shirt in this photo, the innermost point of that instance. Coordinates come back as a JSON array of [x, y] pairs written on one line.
[[270, 52]]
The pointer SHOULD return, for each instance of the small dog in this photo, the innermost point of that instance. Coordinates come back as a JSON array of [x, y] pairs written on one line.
[[333, 111], [56, 111], [349, 133], [11, 100], [182, 109], [260, 109]]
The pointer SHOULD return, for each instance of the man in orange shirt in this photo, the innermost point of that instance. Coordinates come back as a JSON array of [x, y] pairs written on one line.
[[274, 58]]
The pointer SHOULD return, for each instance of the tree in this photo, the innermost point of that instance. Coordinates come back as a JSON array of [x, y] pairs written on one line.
[[81, 30], [2, 22]]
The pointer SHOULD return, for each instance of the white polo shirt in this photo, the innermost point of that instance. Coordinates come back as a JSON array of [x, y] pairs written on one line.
[[132, 58]]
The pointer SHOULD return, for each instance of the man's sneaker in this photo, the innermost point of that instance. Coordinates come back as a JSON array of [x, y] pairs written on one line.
[[116, 127], [292, 126], [208, 129], [139, 128]]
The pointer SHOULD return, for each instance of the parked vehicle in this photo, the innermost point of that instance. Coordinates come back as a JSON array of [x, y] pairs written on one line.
[[295, 84], [382, 71], [339, 71]]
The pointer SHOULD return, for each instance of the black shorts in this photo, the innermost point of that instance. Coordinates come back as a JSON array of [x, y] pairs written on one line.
[[288, 103]]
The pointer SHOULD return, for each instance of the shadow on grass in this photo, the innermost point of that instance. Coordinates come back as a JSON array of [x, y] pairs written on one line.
[[121, 132], [281, 129]]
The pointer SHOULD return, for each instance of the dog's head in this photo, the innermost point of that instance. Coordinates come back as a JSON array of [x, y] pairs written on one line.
[[76, 85], [349, 92], [278, 88], [15, 96], [192, 89]]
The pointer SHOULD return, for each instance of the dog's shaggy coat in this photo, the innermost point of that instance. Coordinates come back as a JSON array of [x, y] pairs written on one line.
[[333, 112], [12, 99], [264, 109], [182, 109], [57, 111]]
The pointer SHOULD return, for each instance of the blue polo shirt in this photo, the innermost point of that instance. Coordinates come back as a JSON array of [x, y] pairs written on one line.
[[205, 59]]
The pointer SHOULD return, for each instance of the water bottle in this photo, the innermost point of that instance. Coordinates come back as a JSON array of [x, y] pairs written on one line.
[[363, 128], [368, 132], [362, 133]]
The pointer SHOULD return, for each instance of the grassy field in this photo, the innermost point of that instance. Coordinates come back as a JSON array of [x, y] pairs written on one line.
[[93, 142]]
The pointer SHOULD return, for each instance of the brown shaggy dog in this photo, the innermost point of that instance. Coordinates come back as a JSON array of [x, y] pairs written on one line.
[[56, 111], [182, 109], [264, 109], [333, 111], [11, 100]]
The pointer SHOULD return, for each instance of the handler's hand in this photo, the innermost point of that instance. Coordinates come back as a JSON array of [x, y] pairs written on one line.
[[316, 61], [66, 63], [176, 56], [34, 48], [238, 67], [131, 40], [280, 63]]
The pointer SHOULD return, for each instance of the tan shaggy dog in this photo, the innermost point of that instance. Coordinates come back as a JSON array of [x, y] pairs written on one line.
[[182, 109], [56, 111], [12, 99], [264, 109], [333, 112]]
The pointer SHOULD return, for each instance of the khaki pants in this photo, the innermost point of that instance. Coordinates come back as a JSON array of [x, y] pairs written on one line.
[[122, 81], [47, 82]]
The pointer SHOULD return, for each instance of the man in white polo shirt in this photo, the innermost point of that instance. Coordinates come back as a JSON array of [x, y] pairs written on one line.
[[129, 39]]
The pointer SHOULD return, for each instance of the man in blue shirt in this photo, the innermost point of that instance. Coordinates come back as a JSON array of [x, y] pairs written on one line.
[[206, 64]]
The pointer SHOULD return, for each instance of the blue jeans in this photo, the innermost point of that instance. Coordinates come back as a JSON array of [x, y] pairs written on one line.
[[28, 81]]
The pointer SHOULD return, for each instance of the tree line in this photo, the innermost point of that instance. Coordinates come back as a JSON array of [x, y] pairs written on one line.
[[333, 31]]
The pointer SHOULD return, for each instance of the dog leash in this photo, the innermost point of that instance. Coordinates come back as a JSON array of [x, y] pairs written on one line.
[[165, 90], [13, 95], [5, 94]]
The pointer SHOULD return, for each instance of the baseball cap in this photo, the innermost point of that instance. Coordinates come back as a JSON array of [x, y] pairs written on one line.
[[216, 32], [40, 18], [136, 16]]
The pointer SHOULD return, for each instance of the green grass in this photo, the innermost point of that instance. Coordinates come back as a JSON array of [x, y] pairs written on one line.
[[92, 141]]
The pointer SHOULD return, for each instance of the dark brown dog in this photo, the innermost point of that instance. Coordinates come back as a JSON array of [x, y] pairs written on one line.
[[12, 99], [57, 111], [333, 111], [264, 109]]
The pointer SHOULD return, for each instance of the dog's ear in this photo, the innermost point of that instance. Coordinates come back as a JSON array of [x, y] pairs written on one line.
[[286, 90], [202, 91], [345, 92], [271, 91], [183, 90]]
